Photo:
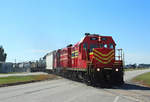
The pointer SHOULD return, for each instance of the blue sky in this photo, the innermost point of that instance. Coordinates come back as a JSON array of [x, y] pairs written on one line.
[[31, 28]]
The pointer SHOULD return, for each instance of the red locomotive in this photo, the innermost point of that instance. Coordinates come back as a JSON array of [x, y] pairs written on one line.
[[92, 60]]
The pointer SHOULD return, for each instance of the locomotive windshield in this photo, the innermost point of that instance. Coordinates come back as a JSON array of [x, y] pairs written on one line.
[[111, 46], [101, 45], [105, 46], [93, 46]]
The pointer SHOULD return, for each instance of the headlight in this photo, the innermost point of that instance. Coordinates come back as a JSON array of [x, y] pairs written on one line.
[[117, 70], [98, 69]]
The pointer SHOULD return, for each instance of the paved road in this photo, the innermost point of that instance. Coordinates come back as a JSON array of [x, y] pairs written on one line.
[[131, 74], [64, 90], [22, 74]]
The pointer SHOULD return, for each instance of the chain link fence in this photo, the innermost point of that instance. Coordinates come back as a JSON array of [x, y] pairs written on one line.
[[8, 67]]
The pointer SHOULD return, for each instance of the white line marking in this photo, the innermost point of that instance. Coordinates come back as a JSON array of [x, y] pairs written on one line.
[[132, 98], [116, 99]]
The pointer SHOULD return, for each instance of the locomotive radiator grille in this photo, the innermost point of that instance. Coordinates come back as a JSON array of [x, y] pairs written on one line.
[[103, 58]]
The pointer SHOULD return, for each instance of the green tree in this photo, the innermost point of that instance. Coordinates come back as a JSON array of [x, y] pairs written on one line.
[[3, 55]]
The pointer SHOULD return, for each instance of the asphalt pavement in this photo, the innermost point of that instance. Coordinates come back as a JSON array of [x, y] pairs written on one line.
[[64, 90]]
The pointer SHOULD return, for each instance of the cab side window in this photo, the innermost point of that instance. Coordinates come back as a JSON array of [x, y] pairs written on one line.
[[85, 46]]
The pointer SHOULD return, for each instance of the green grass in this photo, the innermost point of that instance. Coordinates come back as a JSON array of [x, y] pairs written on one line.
[[143, 79], [17, 79]]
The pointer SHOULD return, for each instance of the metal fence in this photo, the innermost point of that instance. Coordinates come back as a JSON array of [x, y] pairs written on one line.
[[13, 67]]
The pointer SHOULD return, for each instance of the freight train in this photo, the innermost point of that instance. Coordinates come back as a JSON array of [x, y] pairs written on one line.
[[38, 65], [92, 60]]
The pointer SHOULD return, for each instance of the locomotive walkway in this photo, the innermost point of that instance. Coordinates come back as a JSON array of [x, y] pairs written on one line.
[[64, 90]]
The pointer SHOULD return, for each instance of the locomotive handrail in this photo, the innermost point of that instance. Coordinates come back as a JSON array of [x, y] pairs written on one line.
[[120, 56]]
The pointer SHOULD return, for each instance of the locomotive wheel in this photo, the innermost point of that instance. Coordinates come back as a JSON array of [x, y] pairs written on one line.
[[74, 76], [86, 79]]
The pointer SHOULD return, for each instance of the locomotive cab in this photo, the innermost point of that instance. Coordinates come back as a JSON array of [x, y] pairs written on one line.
[[98, 47], [103, 55], [99, 54]]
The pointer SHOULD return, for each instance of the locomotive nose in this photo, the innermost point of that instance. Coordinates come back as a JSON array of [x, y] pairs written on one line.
[[102, 56]]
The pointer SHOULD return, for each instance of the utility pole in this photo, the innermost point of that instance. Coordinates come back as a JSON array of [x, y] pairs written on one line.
[[15, 63]]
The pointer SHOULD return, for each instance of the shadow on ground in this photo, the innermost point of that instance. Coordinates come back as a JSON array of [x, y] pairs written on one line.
[[130, 86]]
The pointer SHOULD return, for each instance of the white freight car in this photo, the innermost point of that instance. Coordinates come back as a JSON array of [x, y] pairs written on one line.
[[50, 61]]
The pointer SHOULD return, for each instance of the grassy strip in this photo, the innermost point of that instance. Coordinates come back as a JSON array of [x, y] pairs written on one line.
[[143, 79], [11, 73], [21, 79]]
